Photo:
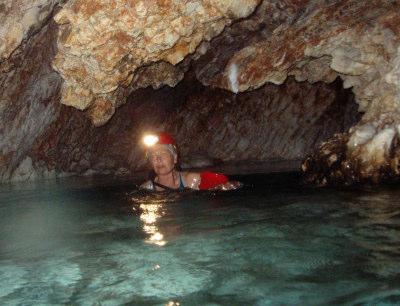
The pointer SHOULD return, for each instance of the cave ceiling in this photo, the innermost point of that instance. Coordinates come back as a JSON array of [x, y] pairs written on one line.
[[106, 49]]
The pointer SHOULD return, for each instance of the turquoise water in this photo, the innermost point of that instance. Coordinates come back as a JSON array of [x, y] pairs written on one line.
[[101, 242]]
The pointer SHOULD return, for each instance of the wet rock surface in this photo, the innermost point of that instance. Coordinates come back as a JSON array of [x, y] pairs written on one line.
[[99, 57], [367, 154]]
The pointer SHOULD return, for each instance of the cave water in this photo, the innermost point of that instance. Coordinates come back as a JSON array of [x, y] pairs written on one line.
[[86, 241]]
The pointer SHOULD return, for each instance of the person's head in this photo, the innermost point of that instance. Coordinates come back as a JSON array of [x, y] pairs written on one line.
[[161, 153]]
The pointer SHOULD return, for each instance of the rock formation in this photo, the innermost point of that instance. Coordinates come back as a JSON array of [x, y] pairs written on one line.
[[21, 19], [102, 43], [96, 56], [354, 40], [29, 100]]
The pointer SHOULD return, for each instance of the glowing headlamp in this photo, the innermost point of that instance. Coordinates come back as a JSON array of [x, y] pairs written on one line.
[[150, 140]]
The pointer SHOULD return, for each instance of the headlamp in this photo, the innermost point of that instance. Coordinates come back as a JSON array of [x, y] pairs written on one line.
[[150, 140]]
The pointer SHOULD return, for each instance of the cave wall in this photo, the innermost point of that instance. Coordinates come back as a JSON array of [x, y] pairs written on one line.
[[22, 19], [273, 122], [266, 42], [72, 145], [29, 99], [105, 53]]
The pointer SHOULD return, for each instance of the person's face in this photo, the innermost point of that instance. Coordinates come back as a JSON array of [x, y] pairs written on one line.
[[161, 159]]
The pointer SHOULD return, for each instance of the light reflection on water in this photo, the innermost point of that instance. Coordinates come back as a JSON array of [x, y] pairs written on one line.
[[150, 213], [96, 242]]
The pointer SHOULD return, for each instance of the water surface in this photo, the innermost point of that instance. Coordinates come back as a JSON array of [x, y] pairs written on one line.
[[102, 242]]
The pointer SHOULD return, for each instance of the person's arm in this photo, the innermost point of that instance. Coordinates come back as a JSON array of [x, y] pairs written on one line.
[[192, 180], [210, 181]]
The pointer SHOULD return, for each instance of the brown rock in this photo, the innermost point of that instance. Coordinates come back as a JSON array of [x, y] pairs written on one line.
[[101, 45]]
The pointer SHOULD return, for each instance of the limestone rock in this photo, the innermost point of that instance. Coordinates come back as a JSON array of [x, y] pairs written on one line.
[[101, 44], [319, 45], [358, 41], [106, 51], [271, 123], [29, 100], [368, 153], [19, 18]]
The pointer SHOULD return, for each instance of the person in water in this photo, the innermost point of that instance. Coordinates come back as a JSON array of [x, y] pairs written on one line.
[[162, 155]]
